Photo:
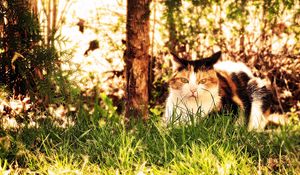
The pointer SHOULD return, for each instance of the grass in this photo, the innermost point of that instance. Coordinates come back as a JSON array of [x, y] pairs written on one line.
[[209, 146]]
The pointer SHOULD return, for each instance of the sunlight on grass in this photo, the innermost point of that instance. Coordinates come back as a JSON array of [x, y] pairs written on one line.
[[207, 147]]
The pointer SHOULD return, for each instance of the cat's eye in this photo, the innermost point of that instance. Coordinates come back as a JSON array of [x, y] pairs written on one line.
[[203, 81], [183, 80]]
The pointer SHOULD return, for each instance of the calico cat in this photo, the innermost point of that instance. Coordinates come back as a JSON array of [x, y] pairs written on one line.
[[200, 87]]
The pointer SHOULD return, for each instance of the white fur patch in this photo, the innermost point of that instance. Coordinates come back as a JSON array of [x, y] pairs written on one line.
[[179, 104], [278, 119], [257, 119], [233, 67], [260, 83]]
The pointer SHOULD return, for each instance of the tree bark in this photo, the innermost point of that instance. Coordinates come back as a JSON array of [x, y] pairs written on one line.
[[137, 58]]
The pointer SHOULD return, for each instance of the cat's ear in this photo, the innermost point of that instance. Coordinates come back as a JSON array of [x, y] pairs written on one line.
[[210, 61], [178, 62]]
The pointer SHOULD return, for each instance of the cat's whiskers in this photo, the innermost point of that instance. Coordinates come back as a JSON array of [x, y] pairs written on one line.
[[212, 96]]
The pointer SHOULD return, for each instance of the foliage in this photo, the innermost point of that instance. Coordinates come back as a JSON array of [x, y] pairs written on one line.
[[26, 64]]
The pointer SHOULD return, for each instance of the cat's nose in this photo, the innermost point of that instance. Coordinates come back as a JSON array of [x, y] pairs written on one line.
[[193, 90]]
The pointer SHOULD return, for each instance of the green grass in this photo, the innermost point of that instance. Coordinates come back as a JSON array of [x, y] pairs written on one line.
[[209, 146]]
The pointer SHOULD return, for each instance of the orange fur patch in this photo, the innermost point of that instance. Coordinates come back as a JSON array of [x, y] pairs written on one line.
[[232, 86]]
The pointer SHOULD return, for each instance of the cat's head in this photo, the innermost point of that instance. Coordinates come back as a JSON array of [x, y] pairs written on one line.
[[192, 79]]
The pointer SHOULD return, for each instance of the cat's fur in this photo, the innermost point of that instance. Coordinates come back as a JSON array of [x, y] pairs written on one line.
[[199, 87]]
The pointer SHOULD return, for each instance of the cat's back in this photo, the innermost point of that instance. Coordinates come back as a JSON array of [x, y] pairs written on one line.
[[231, 67], [233, 76]]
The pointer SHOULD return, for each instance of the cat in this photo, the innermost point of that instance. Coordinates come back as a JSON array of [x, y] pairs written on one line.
[[200, 87]]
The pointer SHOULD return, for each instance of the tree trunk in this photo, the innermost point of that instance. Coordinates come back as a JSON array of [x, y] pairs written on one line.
[[137, 58]]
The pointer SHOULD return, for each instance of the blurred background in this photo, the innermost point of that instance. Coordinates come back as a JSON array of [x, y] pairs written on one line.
[[60, 57]]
